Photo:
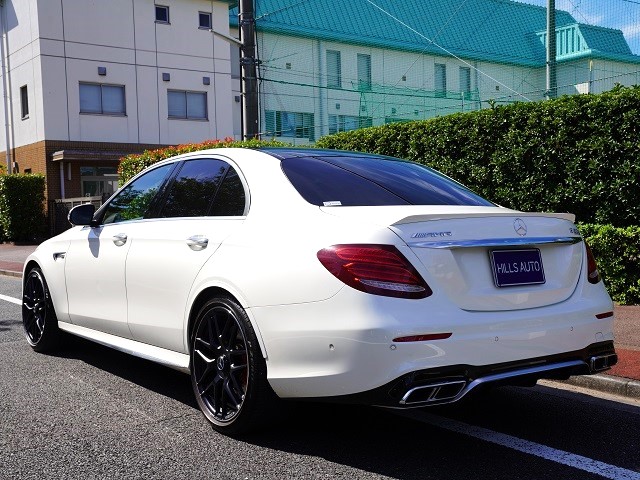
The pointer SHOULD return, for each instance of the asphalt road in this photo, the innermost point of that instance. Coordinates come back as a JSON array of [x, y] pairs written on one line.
[[90, 412]]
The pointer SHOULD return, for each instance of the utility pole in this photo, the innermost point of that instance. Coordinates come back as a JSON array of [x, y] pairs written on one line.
[[552, 83], [248, 63]]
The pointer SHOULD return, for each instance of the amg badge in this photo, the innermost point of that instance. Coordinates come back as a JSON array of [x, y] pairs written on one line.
[[431, 234]]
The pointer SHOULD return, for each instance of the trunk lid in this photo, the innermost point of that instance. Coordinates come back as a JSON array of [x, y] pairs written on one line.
[[487, 258]]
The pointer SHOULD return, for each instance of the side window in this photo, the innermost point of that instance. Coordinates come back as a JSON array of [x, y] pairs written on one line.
[[134, 200], [231, 199], [194, 188]]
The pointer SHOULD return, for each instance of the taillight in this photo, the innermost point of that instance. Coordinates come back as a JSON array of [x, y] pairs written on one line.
[[376, 269], [592, 268]]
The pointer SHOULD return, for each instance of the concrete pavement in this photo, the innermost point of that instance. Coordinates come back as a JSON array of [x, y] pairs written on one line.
[[622, 379]]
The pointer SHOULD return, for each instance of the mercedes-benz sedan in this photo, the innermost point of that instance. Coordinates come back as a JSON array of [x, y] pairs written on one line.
[[315, 274]]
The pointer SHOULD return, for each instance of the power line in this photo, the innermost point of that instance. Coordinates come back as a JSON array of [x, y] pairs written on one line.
[[443, 48]]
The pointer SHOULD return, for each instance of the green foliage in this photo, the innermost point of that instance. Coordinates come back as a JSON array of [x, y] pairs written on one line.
[[21, 207], [576, 154], [617, 252], [133, 164]]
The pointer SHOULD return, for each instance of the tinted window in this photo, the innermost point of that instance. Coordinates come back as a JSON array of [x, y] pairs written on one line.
[[193, 190], [230, 200], [322, 183], [133, 201], [361, 180]]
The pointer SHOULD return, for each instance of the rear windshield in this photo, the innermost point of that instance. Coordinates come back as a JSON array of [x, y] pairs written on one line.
[[361, 180]]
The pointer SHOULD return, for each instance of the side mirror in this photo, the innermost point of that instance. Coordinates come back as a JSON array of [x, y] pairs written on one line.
[[82, 214]]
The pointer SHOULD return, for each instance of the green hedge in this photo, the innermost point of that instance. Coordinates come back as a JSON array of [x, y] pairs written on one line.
[[21, 207], [578, 154], [617, 252], [132, 164]]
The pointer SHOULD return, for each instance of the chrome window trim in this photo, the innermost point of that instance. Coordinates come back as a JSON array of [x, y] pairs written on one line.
[[497, 242]]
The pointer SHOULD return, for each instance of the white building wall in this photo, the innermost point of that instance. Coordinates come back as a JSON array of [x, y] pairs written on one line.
[[53, 46], [508, 83], [606, 74], [403, 85], [21, 23]]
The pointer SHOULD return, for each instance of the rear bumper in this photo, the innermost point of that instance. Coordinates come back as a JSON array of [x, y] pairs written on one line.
[[345, 345], [439, 386]]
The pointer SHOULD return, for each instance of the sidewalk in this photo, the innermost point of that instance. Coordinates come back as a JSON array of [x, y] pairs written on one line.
[[12, 258], [622, 379]]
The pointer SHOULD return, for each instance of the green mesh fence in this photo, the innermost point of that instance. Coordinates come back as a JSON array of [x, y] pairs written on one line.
[[333, 65]]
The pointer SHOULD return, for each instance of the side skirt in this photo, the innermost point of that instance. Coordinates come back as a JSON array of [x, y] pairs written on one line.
[[169, 358]]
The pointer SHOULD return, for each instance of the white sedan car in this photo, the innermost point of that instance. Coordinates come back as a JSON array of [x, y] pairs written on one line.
[[317, 274]]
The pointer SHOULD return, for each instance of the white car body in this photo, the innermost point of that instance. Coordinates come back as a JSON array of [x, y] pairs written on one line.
[[321, 338]]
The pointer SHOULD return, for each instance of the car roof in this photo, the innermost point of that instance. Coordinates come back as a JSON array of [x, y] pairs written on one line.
[[284, 153]]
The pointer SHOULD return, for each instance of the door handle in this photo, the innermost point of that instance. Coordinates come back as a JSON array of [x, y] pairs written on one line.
[[197, 242], [120, 239]]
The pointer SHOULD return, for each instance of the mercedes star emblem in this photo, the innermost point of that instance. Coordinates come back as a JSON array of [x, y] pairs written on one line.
[[520, 227]]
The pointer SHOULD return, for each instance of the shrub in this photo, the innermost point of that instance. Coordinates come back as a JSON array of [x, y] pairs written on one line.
[[21, 207], [575, 154], [617, 252], [132, 164]]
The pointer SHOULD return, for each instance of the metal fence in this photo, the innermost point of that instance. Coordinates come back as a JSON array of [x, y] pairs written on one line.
[[59, 211]]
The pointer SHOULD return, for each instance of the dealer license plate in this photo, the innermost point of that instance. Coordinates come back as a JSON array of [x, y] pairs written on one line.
[[517, 267]]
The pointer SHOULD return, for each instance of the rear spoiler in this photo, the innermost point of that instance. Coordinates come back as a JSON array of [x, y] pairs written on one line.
[[509, 213]]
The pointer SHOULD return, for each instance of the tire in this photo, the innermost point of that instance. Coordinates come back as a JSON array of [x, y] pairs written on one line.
[[38, 316], [228, 372]]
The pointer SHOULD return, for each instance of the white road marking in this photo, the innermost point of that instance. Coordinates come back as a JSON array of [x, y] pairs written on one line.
[[559, 456], [10, 299]]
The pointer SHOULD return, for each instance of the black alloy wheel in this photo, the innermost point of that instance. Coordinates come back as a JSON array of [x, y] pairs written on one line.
[[228, 372], [38, 316]]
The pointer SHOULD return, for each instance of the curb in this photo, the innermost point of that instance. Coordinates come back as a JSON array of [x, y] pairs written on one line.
[[620, 386], [11, 273]]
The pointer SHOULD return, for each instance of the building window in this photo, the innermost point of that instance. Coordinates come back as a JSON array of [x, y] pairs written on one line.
[[187, 105], [204, 20], [101, 99], [98, 181], [162, 14], [364, 71], [334, 69], [344, 123], [440, 79], [24, 102], [289, 124], [465, 82]]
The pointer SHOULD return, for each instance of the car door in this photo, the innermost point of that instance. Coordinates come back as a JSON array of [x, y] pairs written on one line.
[[95, 260], [203, 205]]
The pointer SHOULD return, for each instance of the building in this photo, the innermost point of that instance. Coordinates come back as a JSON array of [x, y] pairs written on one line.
[[88, 81], [330, 65]]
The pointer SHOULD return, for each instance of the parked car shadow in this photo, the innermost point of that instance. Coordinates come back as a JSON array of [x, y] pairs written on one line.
[[147, 374]]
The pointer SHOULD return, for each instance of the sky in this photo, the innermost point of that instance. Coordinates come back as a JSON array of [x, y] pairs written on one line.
[[619, 14]]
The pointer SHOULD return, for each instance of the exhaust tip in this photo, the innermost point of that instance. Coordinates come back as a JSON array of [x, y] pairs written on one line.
[[435, 392], [602, 362]]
